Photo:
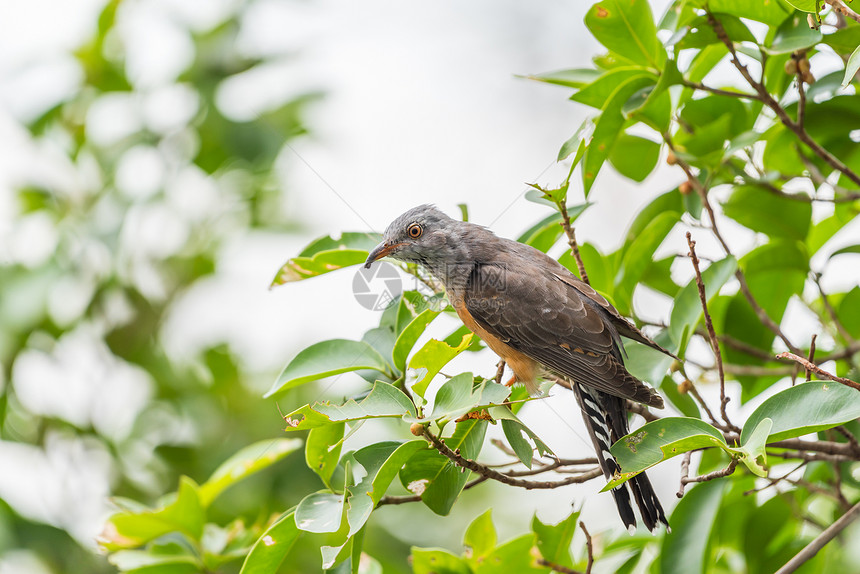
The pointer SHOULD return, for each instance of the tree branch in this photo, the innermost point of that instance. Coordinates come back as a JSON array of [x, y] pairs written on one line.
[[818, 543], [819, 371], [571, 241], [711, 334], [719, 92], [589, 547], [840, 8], [780, 112]]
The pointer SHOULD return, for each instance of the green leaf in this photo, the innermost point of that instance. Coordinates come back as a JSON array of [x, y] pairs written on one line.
[[512, 556], [432, 357], [849, 312], [409, 336], [770, 12], [322, 451], [253, 458], [768, 213], [553, 540], [794, 34], [270, 550], [753, 448], [639, 254], [381, 461], [327, 254], [806, 5], [607, 128], [514, 430], [844, 41], [597, 93], [437, 561], [437, 479], [384, 400], [851, 67], [326, 359], [661, 440], [457, 396], [543, 234], [184, 513], [574, 78], [805, 408], [320, 512], [480, 538], [685, 549], [627, 28], [634, 157], [687, 310]]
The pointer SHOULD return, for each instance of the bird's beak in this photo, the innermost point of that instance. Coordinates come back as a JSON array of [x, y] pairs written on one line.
[[380, 251]]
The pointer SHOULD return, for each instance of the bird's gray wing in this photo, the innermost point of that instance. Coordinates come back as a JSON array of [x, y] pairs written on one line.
[[538, 314]]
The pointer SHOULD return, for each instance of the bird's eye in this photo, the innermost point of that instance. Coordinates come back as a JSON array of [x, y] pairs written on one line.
[[415, 230]]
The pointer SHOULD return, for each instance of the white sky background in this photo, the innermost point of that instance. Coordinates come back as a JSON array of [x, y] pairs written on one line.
[[422, 106]]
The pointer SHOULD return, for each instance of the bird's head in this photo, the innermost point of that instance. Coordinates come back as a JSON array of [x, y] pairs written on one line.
[[422, 235]]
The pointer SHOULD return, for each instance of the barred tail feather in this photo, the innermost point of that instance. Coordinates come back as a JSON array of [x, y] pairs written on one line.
[[606, 420]]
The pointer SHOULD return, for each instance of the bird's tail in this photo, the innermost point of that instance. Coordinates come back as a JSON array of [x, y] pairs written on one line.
[[606, 419]]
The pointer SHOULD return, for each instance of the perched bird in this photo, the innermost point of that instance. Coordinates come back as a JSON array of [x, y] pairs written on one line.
[[538, 317]]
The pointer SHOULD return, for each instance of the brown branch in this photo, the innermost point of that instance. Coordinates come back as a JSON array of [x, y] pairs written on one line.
[[843, 332], [719, 92], [588, 546], [806, 457], [571, 241], [852, 440], [685, 473], [780, 112], [556, 567], [724, 400], [500, 371], [840, 8], [390, 500], [818, 543], [811, 357], [819, 371], [491, 474], [711, 475], [641, 410]]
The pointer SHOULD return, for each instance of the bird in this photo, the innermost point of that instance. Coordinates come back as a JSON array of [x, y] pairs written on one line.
[[540, 319]]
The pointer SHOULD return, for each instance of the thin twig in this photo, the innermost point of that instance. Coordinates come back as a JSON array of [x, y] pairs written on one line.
[[685, 473], [571, 241], [719, 92], [818, 543], [488, 472], [715, 345], [840, 8], [843, 332], [712, 475], [588, 546], [811, 357], [819, 371], [556, 567], [500, 371]]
